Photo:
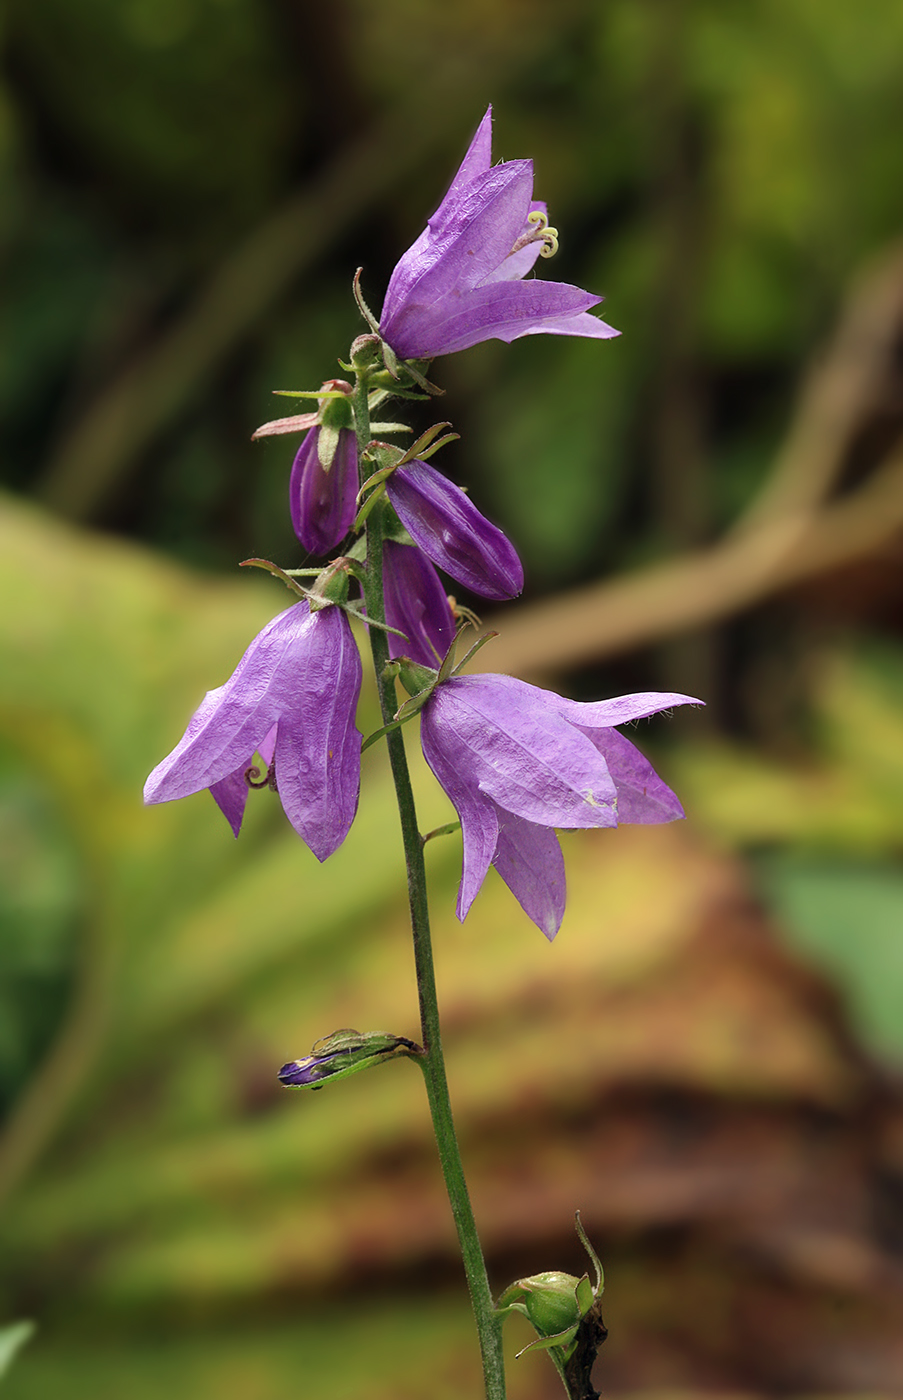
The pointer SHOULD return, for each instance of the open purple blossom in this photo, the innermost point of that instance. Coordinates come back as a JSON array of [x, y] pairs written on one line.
[[416, 604], [517, 762], [292, 699], [462, 282], [323, 502], [444, 521]]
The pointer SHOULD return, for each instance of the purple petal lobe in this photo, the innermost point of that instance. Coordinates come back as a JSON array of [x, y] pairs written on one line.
[[642, 796], [416, 604], [478, 815], [604, 714], [323, 503], [318, 755], [231, 793], [451, 531], [529, 860], [500, 310], [475, 163]]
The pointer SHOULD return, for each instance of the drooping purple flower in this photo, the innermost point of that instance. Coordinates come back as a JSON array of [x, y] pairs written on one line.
[[323, 502], [292, 699], [451, 531], [517, 762], [417, 605], [461, 281]]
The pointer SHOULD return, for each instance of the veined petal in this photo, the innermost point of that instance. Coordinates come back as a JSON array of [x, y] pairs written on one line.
[[583, 324], [318, 748], [529, 860], [519, 752], [417, 605], [450, 530], [642, 796], [478, 234], [476, 162], [499, 310], [231, 722], [477, 814]]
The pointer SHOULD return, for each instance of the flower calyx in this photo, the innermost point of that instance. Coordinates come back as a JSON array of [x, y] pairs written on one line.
[[342, 1053], [566, 1313]]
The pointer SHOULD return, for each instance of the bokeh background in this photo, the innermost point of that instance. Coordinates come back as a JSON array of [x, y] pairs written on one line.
[[707, 1061]]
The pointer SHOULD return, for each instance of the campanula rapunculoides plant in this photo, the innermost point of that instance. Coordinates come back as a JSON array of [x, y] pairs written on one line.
[[516, 762]]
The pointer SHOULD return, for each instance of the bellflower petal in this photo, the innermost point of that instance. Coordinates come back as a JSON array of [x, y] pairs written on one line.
[[517, 761], [516, 749], [642, 796], [323, 503], [231, 793], [292, 698], [443, 520], [417, 605], [529, 860], [443, 293]]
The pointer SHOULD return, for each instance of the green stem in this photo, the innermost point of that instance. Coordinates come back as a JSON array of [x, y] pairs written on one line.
[[489, 1326]]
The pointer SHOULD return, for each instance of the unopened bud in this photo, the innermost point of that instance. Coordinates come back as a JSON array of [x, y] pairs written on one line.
[[342, 1053]]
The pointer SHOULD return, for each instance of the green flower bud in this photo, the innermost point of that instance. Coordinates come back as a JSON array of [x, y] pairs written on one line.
[[342, 1053], [566, 1312], [551, 1301]]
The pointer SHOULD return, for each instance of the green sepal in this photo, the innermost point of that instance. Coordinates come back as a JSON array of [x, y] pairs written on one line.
[[275, 570], [327, 445], [417, 680], [331, 587], [311, 393], [363, 307]]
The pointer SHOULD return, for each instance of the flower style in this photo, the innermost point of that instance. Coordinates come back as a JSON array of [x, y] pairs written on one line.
[[462, 281], [416, 605], [322, 500], [517, 762], [443, 520], [292, 699]]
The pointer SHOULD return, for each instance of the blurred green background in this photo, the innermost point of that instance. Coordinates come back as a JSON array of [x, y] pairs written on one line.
[[707, 1061]]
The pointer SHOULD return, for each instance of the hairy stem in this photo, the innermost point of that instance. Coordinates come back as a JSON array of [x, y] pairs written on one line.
[[489, 1325]]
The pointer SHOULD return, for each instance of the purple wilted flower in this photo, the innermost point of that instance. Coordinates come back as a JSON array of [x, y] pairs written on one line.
[[416, 604], [292, 698], [517, 762], [451, 531], [323, 501], [461, 282]]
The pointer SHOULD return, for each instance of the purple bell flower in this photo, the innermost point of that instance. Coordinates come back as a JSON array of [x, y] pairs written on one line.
[[417, 605], [323, 502], [292, 698], [461, 282], [517, 762], [443, 520]]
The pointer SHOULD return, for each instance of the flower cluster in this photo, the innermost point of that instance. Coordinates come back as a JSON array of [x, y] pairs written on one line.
[[516, 762]]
